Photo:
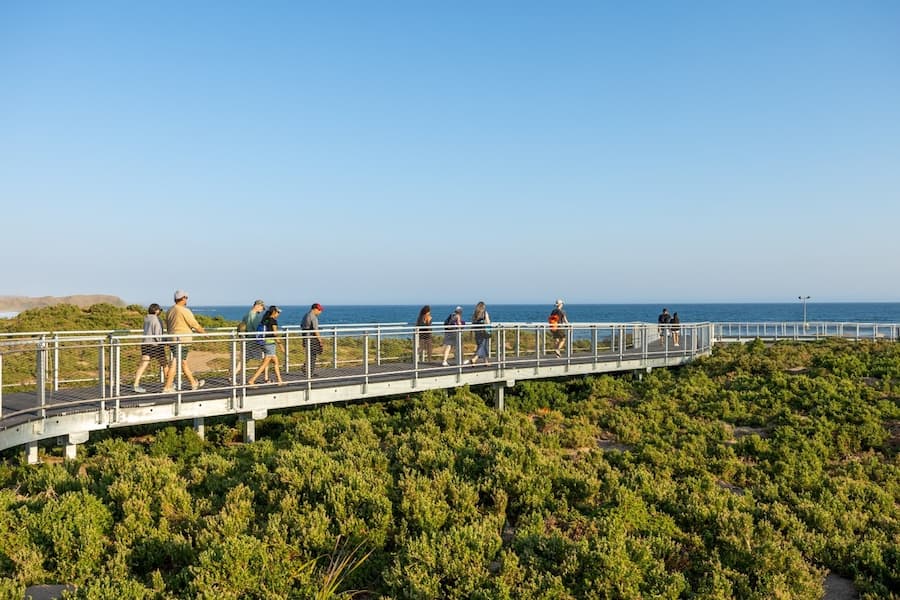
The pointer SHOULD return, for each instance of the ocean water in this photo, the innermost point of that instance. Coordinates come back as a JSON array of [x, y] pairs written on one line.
[[863, 312]]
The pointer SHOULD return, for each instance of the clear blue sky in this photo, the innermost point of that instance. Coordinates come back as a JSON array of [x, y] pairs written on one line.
[[412, 152]]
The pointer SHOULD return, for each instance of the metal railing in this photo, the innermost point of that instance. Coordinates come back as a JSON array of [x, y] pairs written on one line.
[[809, 330], [81, 373]]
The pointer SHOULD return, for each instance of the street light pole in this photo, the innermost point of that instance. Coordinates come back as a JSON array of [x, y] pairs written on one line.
[[803, 299]]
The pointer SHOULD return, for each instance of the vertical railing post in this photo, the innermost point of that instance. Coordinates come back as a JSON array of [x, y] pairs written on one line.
[[518, 341], [594, 343], [365, 361], [116, 371], [101, 368], [334, 348], [459, 349], [307, 349], [178, 382], [117, 368], [287, 351], [236, 346], [56, 362], [501, 348], [415, 348], [42, 374], [378, 344]]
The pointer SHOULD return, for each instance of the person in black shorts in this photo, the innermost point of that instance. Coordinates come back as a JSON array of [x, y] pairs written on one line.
[[152, 347], [663, 321]]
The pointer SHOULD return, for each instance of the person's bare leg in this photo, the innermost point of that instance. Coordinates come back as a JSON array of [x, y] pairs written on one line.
[[145, 362], [263, 367], [187, 373], [277, 370]]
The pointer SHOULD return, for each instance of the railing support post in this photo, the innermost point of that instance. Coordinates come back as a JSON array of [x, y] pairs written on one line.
[[378, 345], [334, 348], [365, 361], [115, 369], [56, 362], [42, 375], [287, 351], [415, 349]]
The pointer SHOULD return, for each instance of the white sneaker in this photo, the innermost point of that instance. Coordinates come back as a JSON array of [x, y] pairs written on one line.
[[139, 390], [200, 384], [468, 362], [445, 364]]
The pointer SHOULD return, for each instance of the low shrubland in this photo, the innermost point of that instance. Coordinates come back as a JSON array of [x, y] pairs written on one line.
[[747, 474]]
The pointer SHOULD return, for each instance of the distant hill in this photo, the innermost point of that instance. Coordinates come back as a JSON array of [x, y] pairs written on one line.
[[21, 303]]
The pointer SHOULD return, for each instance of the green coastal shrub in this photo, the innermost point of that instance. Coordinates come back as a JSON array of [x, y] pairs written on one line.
[[746, 474]]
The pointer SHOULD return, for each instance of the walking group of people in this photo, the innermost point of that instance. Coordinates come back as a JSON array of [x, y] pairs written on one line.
[[481, 321], [262, 323], [181, 324], [669, 324]]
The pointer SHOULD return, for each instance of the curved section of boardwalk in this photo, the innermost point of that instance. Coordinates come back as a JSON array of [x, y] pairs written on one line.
[[78, 384]]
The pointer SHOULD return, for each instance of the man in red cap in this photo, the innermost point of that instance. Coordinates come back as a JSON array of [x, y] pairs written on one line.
[[314, 346]]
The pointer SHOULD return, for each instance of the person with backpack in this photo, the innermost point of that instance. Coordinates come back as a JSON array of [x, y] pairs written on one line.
[[268, 339], [557, 320], [663, 328], [452, 326], [482, 322]]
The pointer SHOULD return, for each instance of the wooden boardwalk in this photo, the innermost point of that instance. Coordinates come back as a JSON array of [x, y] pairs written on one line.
[[67, 415]]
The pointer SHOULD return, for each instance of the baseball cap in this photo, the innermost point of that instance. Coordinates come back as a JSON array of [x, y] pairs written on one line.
[[458, 309], [559, 301], [179, 294], [317, 306], [259, 303]]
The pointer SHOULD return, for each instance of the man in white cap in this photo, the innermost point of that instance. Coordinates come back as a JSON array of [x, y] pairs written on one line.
[[452, 325], [557, 319], [180, 321]]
